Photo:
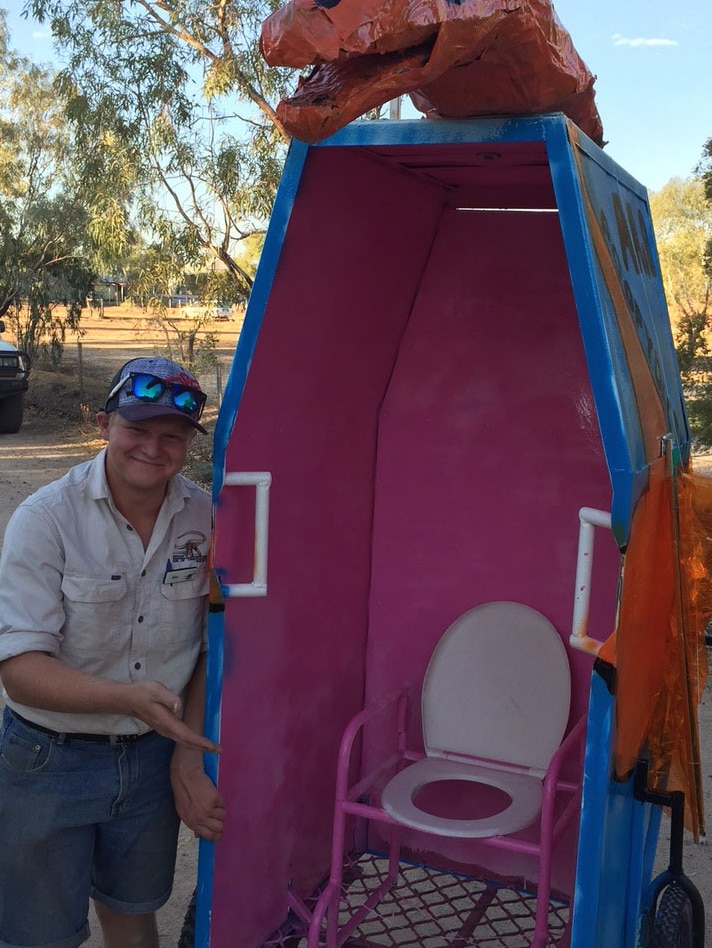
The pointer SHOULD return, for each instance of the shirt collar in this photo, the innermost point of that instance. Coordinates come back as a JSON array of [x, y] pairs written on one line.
[[97, 484]]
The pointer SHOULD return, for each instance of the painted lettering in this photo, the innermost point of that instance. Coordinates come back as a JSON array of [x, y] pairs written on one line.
[[646, 247], [631, 252], [612, 248], [625, 237], [642, 245], [633, 305]]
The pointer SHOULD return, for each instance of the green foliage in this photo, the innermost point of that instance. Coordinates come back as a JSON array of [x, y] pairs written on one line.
[[170, 106], [683, 227], [180, 149], [704, 170], [693, 356], [45, 258], [691, 345], [682, 216]]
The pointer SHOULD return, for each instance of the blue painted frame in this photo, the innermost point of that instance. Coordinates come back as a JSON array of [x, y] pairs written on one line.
[[264, 276], [610, 815]]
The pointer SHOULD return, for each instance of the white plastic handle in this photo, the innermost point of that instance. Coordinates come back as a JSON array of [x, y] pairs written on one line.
[[589, 518], [262, 481]]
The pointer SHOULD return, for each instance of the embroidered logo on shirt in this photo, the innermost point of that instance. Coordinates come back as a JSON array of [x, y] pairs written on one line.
[[187, 548]]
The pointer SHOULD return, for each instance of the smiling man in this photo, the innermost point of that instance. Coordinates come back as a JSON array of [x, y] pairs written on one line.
[[103, 591]]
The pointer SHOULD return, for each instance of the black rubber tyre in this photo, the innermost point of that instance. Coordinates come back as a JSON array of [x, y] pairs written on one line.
[[11, 411], [187, 932], [673, 926]]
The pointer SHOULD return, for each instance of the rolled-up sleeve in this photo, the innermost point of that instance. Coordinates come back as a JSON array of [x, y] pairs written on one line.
[[31, 602]]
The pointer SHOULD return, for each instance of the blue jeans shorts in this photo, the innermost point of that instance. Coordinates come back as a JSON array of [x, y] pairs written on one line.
[[80, 819]]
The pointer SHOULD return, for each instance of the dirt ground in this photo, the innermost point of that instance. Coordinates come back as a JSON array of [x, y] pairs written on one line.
[[59, 431]]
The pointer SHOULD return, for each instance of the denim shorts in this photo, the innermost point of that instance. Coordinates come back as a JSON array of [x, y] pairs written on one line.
[[80, 819]]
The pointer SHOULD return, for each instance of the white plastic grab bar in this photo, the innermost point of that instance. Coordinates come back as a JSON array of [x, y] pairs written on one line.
[[589, 519], [262, 481]]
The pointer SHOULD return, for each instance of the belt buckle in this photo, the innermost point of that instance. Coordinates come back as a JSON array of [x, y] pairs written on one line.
[[124, 738]]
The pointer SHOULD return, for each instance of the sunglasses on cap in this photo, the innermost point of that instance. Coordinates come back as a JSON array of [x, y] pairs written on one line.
[[149, 388]]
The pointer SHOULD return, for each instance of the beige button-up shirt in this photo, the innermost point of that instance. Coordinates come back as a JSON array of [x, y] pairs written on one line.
[[76, 582]]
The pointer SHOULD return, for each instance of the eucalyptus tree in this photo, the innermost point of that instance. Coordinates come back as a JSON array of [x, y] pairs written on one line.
[[704, 171], [171, 106], [682, 217], [45, 269]]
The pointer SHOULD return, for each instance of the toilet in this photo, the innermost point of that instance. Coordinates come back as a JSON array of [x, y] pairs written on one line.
[[495, 705]]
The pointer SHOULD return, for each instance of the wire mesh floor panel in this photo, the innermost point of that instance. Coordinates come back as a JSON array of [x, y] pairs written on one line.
[[431, 909]]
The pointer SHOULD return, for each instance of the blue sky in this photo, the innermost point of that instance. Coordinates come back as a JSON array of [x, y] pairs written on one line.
[[652, 62]]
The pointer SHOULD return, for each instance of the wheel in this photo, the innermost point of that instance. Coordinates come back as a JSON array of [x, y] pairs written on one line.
[[187, 932], [11, 411], [673, 926]]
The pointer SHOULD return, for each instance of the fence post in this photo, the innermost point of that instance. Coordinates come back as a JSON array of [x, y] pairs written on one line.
[[80, 370], [218, 381]]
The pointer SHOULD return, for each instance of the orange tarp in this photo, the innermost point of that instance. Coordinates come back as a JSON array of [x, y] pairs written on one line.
[[659, 645]]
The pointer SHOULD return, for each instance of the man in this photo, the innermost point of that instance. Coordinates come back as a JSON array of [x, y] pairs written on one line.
[[103, 585]]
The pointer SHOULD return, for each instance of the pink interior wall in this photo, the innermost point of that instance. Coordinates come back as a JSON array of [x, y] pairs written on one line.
[[294, 661], [430, 434], [488, 446]]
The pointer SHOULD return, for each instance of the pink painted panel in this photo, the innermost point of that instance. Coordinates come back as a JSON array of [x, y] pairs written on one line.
[[294, 662], [488, 446]]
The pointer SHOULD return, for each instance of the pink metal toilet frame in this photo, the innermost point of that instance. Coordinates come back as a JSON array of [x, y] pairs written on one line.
[[347, 805]]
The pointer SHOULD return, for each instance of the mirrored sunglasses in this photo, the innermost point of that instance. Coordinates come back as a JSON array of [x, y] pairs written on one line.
[[149, 388]]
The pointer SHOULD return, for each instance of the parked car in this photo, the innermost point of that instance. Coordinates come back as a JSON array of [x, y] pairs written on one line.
[[14, 375], [209, 310], [223, 311]]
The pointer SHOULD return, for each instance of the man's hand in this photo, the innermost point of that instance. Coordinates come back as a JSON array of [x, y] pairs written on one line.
[[197, 800], [162, 710], [42, 681]]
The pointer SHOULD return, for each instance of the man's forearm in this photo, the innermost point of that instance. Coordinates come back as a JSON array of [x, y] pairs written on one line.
[[194, 703], [39, 680], [184, 759], [198, 802]]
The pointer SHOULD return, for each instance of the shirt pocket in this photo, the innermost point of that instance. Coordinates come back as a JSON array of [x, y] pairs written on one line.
[[182, 608], [94, 609]]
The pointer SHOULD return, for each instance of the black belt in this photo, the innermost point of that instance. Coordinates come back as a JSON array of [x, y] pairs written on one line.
[[77, 736]]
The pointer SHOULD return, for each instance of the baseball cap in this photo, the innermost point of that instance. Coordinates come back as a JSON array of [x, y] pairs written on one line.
[[155, 387]]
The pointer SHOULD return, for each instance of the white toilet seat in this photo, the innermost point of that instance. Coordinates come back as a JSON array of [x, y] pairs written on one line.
[[524, 790], [497, 688]]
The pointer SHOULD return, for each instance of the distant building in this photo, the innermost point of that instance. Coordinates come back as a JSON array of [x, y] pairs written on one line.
[[110, 290]]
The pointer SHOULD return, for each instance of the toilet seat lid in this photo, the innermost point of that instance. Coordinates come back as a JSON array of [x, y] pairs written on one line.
[[498, 687]]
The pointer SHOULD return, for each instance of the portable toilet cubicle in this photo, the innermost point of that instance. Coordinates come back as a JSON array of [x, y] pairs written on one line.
[[452, 344]]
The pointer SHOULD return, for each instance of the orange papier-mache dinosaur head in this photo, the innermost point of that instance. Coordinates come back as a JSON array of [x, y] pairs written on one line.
[[455, 58]]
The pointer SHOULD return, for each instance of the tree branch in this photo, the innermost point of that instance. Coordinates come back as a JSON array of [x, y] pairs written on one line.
[[182, 33]]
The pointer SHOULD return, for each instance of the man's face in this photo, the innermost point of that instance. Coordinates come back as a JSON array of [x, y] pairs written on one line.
[[144, 455]]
